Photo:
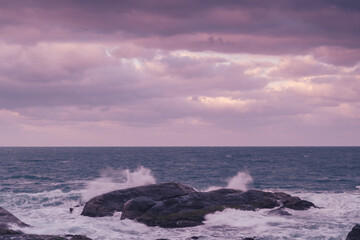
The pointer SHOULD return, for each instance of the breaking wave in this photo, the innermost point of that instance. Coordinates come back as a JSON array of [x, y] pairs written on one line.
[[240, 181], [114, 179]]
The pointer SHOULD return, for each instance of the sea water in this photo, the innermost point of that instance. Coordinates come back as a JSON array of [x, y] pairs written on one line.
[[39, 185]]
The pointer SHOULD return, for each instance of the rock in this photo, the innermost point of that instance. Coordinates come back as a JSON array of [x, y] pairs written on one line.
[[80, 237], [136, 207], [172, 205], [279, 212], [17, 235], [29, 237], [354, 234], [107, 204], [293, 202], [4, 230], [190, 210], [7, 218], [6, 233]]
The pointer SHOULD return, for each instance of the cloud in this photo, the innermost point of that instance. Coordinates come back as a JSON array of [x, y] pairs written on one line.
[[179, 72], [246, 26], [337, 55]]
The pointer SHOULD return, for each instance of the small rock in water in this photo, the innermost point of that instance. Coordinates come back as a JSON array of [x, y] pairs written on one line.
[[354, 234], [279, 212], [80, 237], [7, 218], [8, 234]]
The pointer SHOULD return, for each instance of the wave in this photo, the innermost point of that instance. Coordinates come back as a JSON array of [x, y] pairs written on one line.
[[114, 179], [48, 213], [240, 181], [333, 221]]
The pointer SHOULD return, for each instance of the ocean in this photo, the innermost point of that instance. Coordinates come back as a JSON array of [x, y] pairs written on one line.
[[39, 185]]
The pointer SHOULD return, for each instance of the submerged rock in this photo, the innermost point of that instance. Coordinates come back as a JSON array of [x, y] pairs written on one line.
[[173, 205], [80, 237], [354, 234], [279, 212]]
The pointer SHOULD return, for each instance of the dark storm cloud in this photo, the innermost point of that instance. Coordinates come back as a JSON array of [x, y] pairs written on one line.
[[295, 25]]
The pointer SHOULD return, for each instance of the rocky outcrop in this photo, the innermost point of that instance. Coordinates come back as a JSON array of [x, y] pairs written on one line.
[[354, 234], [107, 204], [79, 237], [7, 218], [173, 205], [6, 233]]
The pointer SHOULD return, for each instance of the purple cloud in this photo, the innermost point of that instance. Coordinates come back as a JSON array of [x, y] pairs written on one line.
[[216, 72]]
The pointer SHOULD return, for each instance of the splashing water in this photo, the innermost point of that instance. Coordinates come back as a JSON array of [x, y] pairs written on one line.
[[240, 181], [114, 179]]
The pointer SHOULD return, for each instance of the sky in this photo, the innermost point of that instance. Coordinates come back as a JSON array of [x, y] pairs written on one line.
[[179, 73]]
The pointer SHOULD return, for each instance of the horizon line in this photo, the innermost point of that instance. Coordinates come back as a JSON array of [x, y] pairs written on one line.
[[174, 146]]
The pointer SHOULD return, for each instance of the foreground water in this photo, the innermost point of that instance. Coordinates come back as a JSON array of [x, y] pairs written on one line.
[[39, 185]]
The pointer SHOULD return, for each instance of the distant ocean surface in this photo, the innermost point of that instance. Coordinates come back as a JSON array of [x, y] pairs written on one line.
[[39, 185]]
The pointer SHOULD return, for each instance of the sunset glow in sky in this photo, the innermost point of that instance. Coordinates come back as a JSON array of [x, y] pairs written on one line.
[[182, 73]]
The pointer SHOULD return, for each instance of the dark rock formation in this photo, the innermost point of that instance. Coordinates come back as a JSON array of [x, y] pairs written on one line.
[[107, 204], [354, 234], [4, 230], [293, 202], [7, 219], [175, 205], [279, 212], [80, 237], [8, 234], [16, 235]]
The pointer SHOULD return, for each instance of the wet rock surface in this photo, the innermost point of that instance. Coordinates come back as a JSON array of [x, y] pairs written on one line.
[[173, 205], [7, 218], [354, 234], [107, 204], [6, 233]]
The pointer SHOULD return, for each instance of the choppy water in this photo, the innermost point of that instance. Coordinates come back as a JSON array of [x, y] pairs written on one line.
[[39, 185]]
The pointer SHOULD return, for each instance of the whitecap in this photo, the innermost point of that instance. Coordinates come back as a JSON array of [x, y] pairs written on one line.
[[114, 179]]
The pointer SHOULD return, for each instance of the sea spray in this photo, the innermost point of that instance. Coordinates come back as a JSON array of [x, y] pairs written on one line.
[[333, 221], [114, 179], [240, 182]]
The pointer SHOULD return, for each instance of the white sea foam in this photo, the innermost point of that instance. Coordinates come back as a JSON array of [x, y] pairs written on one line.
[[335, 218], [114, 179], [248, 223], [48, 213], [333, 221]]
